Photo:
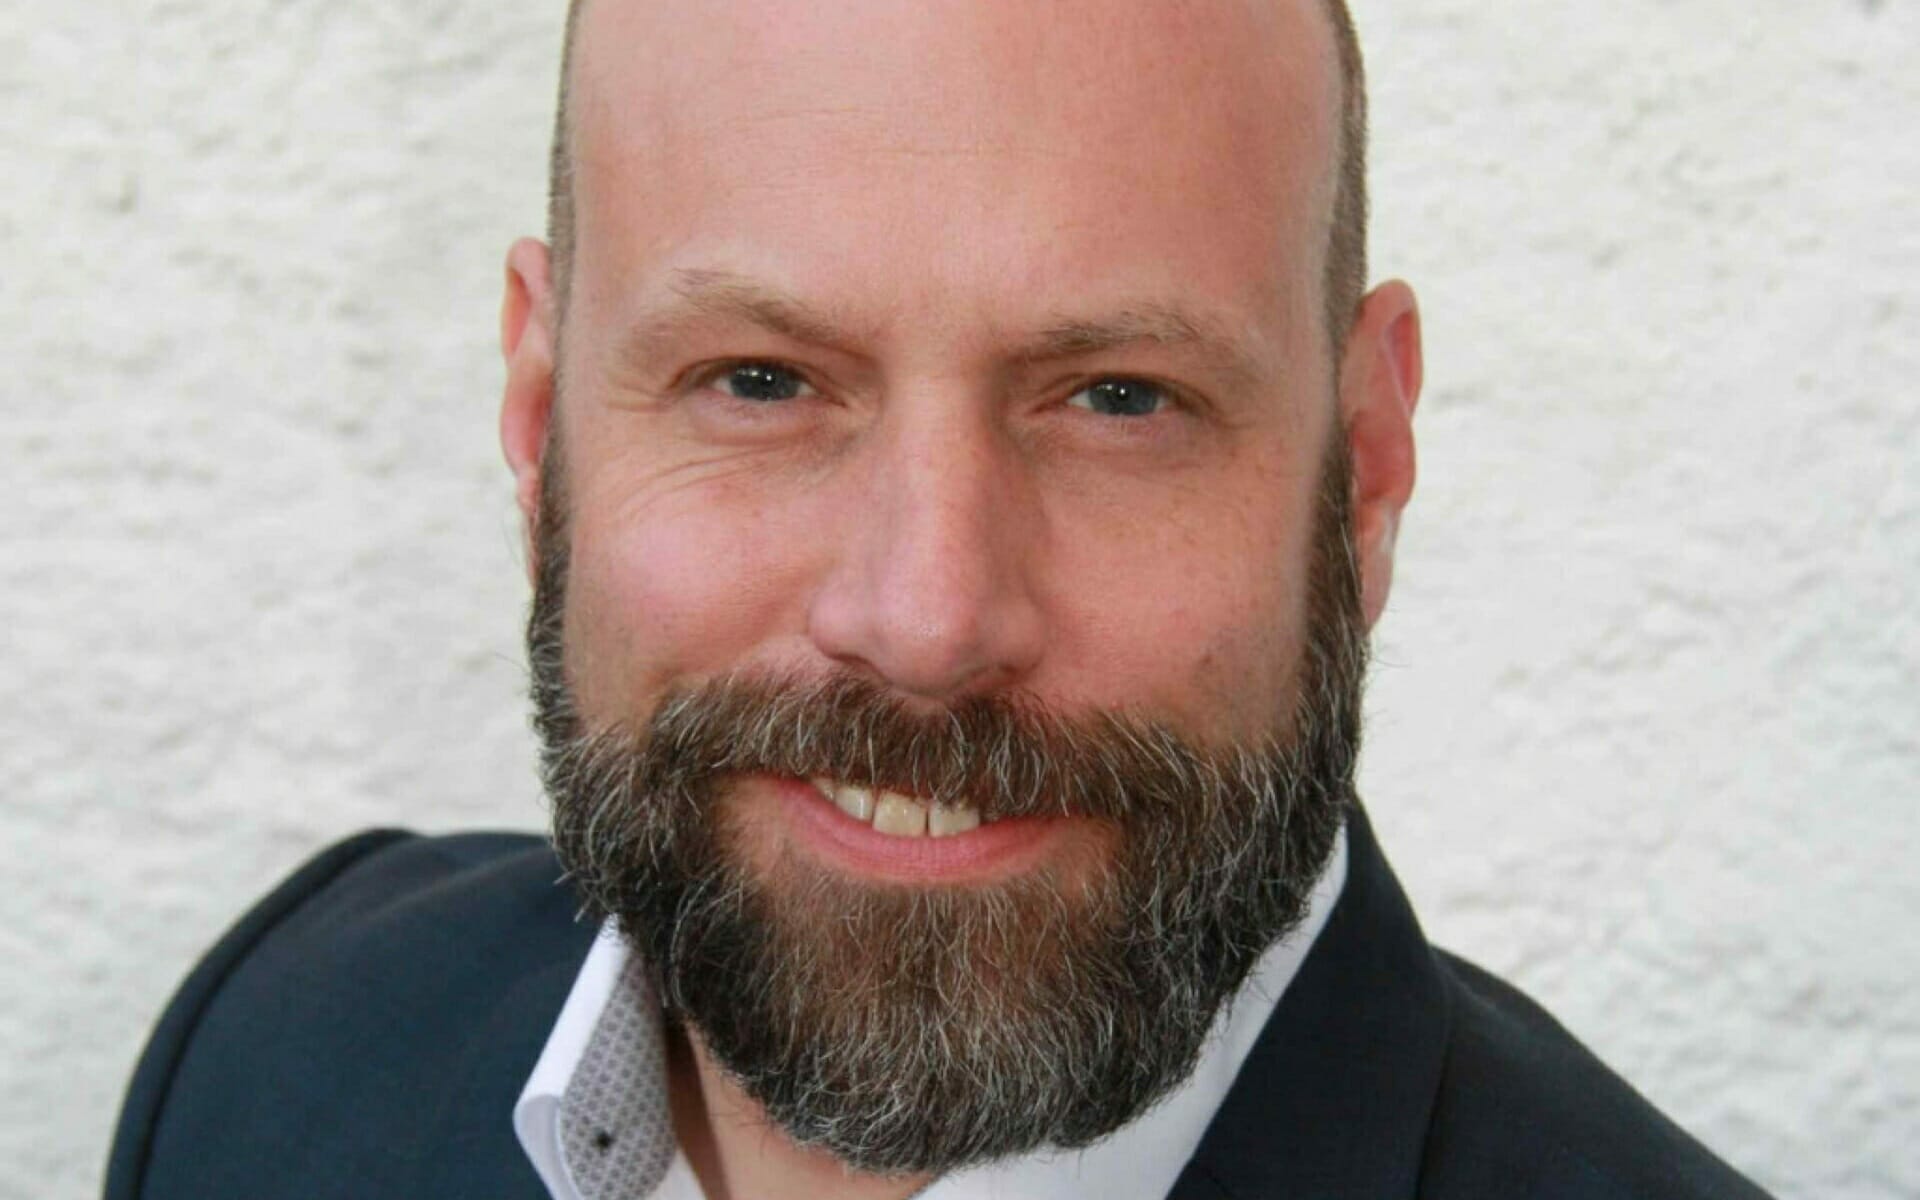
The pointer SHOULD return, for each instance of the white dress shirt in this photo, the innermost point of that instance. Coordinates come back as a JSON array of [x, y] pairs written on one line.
[[1139, 1161]]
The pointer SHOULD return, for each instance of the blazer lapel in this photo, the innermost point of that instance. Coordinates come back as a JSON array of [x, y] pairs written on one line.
[[477, 1153], [1334, 1099]]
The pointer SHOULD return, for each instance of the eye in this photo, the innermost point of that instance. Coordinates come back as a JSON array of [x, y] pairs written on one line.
[[763, 382], [1121, 398]]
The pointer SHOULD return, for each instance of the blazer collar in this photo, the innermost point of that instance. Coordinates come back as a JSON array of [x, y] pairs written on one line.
[[476, 1153], [1336, 1096]]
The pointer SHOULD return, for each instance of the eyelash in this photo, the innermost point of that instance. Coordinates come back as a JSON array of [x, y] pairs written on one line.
[[1172, 399], [709, 376]]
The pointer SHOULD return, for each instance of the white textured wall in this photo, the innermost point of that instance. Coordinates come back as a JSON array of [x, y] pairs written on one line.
[[1644, 725]]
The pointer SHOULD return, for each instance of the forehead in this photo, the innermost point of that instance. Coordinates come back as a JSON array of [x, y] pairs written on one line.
[[1183, 139]]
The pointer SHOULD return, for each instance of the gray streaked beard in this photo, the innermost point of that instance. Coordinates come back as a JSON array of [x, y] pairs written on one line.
[[908, 1030]]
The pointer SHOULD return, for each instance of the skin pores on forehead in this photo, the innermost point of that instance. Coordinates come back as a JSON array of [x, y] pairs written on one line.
[[1221, 112]]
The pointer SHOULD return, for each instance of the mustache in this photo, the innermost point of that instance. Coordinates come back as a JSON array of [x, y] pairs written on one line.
[[1005, 755]]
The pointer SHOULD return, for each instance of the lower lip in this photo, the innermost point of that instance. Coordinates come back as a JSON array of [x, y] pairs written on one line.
[[997, 848]]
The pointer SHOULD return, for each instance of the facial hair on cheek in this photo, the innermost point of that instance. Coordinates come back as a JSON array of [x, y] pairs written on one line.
[[913, 1030]]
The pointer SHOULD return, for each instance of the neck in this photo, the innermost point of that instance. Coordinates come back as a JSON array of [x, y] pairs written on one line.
[[736, 1152]]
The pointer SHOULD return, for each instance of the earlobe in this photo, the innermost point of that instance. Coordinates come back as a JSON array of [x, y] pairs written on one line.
[[527, 344], [1380, 379]]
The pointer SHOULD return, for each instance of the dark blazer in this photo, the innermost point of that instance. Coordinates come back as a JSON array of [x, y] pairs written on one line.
[[364, 1031]]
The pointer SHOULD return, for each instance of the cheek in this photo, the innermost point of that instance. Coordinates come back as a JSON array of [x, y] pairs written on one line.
[[1198, 616], [673, 585]]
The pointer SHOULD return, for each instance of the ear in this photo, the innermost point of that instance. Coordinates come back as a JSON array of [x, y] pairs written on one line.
[[527, 339], [1380, 377]]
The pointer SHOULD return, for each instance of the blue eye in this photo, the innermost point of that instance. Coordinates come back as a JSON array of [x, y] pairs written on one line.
[[1121, 398], [761, 381]]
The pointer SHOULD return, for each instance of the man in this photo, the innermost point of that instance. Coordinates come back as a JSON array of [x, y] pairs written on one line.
[[961, 468]]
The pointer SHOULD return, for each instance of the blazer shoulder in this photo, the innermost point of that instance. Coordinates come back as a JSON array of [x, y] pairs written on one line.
[[1524, 1109], [367, 935]]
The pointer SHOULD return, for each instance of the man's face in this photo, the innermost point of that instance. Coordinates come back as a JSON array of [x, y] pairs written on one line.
[[961, 195], [939, 379]]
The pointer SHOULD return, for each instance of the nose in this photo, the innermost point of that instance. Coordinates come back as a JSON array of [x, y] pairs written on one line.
[[930, 591]]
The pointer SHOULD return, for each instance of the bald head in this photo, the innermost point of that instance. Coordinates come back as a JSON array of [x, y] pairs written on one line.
[[1346, 254]]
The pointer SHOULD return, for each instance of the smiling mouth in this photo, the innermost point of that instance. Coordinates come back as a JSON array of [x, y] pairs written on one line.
[[874, 832], [897, 815]]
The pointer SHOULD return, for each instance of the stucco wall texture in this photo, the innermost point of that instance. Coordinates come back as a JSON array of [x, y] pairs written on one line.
[[1643, 726]]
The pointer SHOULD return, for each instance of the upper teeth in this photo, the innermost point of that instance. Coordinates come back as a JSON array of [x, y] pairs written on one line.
[[893, 813]]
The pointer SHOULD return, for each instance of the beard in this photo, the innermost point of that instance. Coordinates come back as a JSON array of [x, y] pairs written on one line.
[[920, 1029]]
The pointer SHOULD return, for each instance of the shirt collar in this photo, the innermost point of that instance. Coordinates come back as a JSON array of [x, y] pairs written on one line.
[[1140, 1161]]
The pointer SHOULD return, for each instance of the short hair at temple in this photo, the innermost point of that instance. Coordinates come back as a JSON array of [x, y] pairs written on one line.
[[1346, 269]]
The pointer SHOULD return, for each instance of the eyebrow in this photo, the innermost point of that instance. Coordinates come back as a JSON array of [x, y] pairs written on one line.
[[1150, 323], [724, 295]]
